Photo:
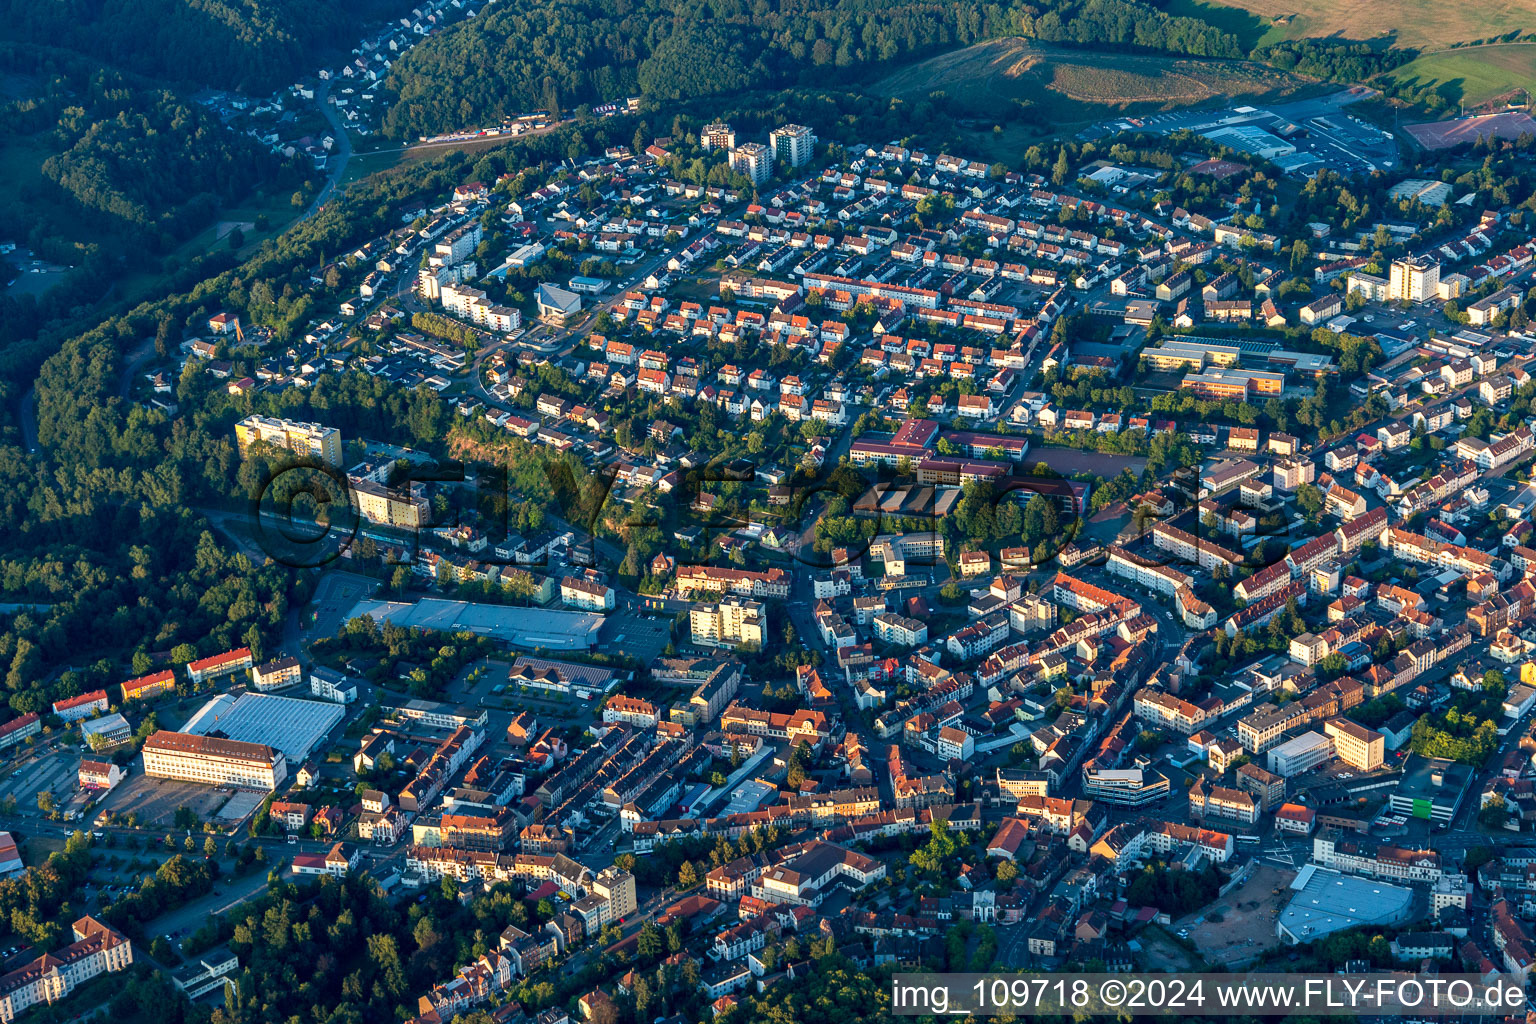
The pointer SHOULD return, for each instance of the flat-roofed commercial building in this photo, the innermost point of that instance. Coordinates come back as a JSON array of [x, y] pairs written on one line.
[[1324, 901], [1127, 787], [1300, 754], [527, 627], [1431, 787], [1234, 385], [212, 761]]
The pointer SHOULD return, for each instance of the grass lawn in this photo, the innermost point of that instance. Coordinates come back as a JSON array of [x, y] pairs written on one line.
[[1419, 24], [1476, 74], [361, 165], [1081, 85]]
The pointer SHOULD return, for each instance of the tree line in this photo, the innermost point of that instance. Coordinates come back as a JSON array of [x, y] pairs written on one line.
[[561, 54]]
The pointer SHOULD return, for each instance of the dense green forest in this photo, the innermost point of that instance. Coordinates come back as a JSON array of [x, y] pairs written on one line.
[[107, 170], [158, 162], [127, 157], [254, 45], [560, 54]]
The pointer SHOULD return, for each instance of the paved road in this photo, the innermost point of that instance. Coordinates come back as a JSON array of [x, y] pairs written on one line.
[[29, 419], [133, 363], [338, 156]]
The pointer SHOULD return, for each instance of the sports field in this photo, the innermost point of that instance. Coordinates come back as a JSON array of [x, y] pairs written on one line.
[[1474, 75], [1079, 85]]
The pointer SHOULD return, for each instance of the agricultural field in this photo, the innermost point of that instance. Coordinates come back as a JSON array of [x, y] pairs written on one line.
[[1418, 24], [1075, 85], [1474, 75]]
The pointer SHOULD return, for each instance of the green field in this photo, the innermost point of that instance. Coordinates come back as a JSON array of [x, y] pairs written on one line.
[[1080, 85], [1474, 75], [1418, 24]]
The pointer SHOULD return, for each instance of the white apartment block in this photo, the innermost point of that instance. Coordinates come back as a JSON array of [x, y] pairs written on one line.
[[473, 305], [1170, 712], [576, 592], [753, 161], [899, 629], [311, 439], [1414, 278], [731, 623]]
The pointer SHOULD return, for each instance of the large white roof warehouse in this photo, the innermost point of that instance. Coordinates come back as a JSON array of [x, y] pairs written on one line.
[[530, 628], [292, 726], [1326, 901]]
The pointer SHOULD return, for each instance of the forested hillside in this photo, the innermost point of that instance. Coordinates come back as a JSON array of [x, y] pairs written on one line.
[[560, 54], [154, 162], [116, 157], [246, 44]]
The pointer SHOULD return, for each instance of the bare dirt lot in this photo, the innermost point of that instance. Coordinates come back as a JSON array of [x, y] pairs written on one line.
[[1163, 953], [1234, 930]]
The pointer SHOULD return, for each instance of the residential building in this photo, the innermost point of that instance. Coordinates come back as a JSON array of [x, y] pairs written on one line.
[[20, 729], [277, 674], [753, 161], [152, 685], [96, 950], [793, 144], [1356, 745], [220, 665], [734, 622], [588, 594], [1414, 279], [73, 709], [308, 440], [717, 136]]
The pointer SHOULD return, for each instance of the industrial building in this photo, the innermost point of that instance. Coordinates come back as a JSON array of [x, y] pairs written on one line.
[[529, 628], [1326, 901], [213, 761], [293, 726]]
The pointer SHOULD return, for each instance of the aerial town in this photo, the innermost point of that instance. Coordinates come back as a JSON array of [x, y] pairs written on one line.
[[697, 576]]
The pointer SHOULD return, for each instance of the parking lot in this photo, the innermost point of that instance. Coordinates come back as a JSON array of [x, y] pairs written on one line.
[[1324, 133], [334, 596], [1235, 929], [54, 772], [155, 801], [635, 635]]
